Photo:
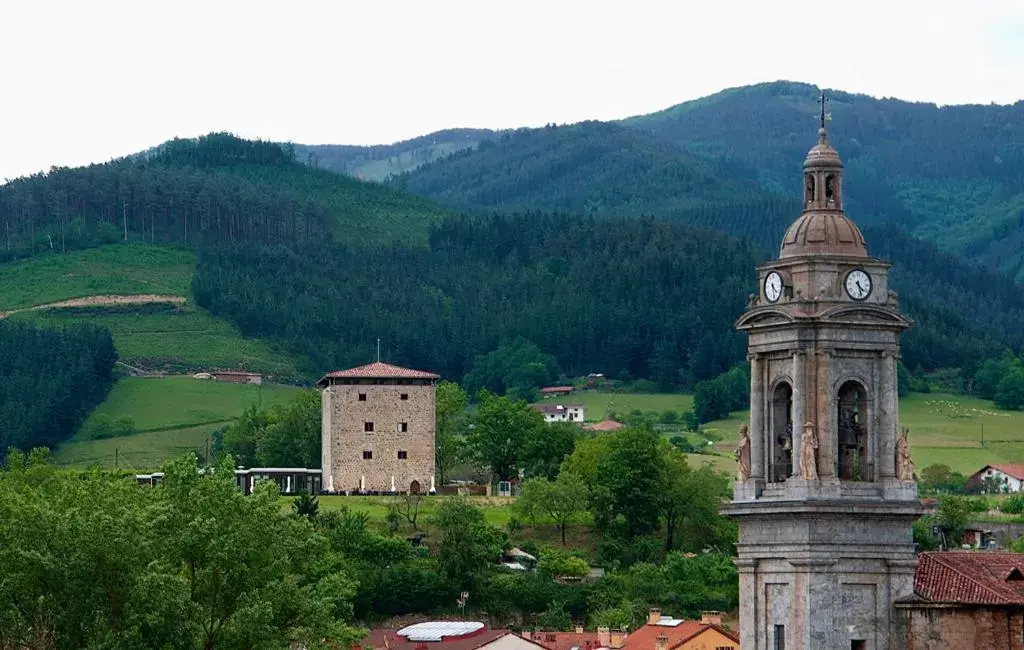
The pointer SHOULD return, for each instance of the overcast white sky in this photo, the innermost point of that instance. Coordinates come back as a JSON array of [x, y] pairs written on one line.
[[84, 82]]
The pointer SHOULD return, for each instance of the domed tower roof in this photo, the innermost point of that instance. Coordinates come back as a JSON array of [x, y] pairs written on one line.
[[823, 228]]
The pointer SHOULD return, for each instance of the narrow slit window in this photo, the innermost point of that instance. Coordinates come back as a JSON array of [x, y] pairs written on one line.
[[405, 397], [402, 455], [367, 455], [362, 397], [368, 427]]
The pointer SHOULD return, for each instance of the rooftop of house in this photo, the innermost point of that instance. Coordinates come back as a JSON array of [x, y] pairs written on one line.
[[555, 408], [449, 635], [970, 578], [379, 370], [555, 390], [564, 640], [1016, 471]]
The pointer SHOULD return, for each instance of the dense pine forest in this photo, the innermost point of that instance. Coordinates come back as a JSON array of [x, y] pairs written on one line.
[[631, 297], [215, 188], [50, 379]]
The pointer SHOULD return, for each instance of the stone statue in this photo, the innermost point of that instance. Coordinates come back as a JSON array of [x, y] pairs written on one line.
[[808, 459], [904, 464], [743, 455]]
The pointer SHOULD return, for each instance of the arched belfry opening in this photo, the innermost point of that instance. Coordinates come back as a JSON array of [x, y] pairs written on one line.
[[853, 460], [781, 426], [808, 190], [830, 190]]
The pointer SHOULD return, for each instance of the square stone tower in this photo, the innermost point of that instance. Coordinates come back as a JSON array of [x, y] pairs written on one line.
[[825, 497], [378, 429]]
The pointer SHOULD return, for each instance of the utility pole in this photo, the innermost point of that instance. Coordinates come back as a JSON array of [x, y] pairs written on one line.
[[115, 458], [982, 434]]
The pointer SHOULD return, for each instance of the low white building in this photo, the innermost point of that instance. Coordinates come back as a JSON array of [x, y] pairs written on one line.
[[1008, 478], [561, 412]]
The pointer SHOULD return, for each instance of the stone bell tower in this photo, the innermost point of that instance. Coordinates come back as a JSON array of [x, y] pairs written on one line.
[[825, 542]]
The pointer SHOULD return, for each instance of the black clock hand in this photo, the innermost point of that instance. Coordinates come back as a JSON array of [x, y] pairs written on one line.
[[859, 288]]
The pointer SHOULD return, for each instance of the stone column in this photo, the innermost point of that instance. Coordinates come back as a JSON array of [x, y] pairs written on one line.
[[799, 391], [750, 622], [888, 405], [823, 415], [756, 418]]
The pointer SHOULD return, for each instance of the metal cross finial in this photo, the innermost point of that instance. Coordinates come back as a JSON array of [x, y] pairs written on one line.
[[823, 109]]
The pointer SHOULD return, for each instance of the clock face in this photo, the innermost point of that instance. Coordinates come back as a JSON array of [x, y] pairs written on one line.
[[773, 286], [858, 284]]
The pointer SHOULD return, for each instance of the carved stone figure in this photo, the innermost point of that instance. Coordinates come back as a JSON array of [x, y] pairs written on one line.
[[743, 455], [808, 459], [904, 464]]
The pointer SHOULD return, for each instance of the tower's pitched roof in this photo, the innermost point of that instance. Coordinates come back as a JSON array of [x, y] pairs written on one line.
[[970, 577], [378, 370], [823, 233]]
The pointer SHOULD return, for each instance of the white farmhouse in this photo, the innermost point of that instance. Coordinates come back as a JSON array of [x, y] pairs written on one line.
[[561, 412], [1008, 477]]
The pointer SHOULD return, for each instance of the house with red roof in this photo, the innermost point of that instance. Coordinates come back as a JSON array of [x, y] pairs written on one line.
[[377, 430], [1001, 478], [561, 412], [964, 600], [659, 633], [445, 635]]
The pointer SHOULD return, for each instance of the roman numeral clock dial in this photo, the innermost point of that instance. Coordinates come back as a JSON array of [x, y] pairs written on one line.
[[858, 284]]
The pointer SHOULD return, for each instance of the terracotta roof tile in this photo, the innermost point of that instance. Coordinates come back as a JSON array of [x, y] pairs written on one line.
[[382, 637], [646, 637], [969, 577], [1016, 471], [564, 640], [380, 370]]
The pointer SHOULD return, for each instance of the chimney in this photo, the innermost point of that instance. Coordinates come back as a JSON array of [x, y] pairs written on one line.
[[603, 637], [579, 629], [711, 618], [618, 638], [662, 642], [653, 616]]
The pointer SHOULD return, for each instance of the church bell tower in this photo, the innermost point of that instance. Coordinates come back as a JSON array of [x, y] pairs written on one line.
[[825, 496]]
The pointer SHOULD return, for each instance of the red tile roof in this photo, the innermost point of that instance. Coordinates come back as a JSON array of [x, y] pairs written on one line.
[[564, 640], [646, 637], [970, 577], [380, 370], [381, 636], [557, 389], [1016, 471], [555, 408]]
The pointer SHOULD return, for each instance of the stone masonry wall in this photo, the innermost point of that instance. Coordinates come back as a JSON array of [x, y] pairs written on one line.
[[958, 628], [345, 437]]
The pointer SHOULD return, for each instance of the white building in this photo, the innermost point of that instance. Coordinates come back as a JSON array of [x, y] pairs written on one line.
[[1008, 477], [561, 412]]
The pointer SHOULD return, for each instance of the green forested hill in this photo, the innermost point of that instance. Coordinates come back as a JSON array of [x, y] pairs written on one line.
[[379, 162], [587, 168], [214, 188], [951, 174]]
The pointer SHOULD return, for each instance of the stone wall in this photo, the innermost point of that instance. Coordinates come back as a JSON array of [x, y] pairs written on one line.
[[345, 438], [922, 626]]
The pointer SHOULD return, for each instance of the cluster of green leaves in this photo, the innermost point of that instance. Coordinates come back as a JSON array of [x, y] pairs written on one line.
[[95, 560], [517, 369], [1002, 380], [715, 398], [50, 380], [940, 479], [285, 435]]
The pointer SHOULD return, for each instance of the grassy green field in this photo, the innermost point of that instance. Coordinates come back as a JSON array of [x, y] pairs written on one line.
[[175, 338], [943, 429], [497, 510], [163, 336], [599, 404], [172, 416], [113, 269]]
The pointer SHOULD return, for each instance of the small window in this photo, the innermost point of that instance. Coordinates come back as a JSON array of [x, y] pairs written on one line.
[[368, 427], [859, 644], [405, 397], [367, 455], [403, 427], [780, 637], [362, 397], [402, 455]]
